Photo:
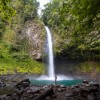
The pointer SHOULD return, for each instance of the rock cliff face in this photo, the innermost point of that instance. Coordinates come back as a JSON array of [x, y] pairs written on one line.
[[35, 33]]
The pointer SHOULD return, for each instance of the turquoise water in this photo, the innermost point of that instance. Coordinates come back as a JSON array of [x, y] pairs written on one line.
[[62, 82]]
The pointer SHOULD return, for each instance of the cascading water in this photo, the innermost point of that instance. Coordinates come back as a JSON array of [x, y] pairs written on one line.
[[44, 79], [51, 72], [50, 54]]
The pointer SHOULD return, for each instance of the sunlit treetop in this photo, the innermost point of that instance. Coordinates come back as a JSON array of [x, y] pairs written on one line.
[[6, 10]]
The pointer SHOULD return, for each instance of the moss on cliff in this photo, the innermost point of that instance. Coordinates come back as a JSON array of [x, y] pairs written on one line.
[[15, 48]]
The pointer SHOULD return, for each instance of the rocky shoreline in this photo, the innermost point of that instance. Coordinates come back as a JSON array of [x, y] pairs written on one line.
[[19, 88]]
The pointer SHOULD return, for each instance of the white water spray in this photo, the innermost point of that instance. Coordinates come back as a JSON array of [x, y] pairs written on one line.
[[50, 51], [50, 54], [51, 72]]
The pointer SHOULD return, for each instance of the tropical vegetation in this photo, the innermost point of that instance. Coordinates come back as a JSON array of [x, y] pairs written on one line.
[[76, 24], [13, 46]]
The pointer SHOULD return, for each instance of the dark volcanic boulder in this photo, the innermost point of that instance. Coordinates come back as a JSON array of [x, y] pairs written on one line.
[[24, 83]]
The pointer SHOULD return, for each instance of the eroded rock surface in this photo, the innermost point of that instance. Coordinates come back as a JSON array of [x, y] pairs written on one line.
[[26, 91], [35, 33]]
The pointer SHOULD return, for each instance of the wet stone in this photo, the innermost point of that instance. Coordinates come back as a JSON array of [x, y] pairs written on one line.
[[84, 93], [24, 91]]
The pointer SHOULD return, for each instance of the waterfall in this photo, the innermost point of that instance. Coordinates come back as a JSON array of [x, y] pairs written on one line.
[[51, 72], [50, 54]]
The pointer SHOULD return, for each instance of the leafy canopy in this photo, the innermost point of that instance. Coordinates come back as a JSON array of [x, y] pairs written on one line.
[[78, 20]]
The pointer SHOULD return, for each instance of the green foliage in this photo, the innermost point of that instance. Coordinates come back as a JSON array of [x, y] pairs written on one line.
[[89, 67], [12, 66], [13, 44], [76, 21], [14, 57], [28, 9], [2, 28], [6, 10], [6, 14]]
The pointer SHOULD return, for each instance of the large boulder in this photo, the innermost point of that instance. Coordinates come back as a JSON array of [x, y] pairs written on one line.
[[35, 33]]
